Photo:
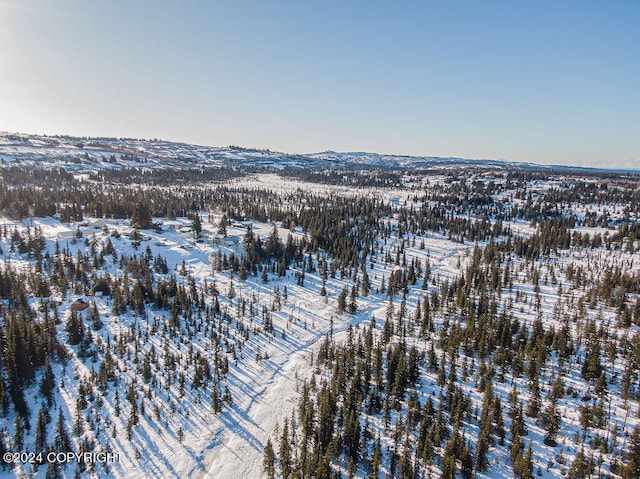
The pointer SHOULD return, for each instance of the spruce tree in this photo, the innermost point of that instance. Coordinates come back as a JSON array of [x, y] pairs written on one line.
[[269, 460], [582, 467], [284, 451], [196, 225], [62, 441], [41, 430], [632, 466], [96, 322], [74, 328], [376, 461], [3, 449], [551, 422], [18, 437], [342, 300], [222, 227]]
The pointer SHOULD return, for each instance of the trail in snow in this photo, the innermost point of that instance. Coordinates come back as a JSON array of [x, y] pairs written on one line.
[[238, 451], [238, 454]]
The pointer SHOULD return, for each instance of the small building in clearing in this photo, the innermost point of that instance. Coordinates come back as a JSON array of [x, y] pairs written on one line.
[[79, 305], [66, 233]]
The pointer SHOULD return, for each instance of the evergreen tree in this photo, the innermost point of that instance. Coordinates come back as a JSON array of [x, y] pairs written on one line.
[[74, 328], [62, 441], [523, 465], [342, 300], [582, 467], [4, 399], [482, 447], [196, 225], [467, 462], [18, 437], [96, 322], [632, 466], [592, 367], [41, 430], [47, 383], [353, 304], [3, 450], [376, 461], [449, 465], [284, 452], [533, 407], [141, 216], [269, 460], [222, 226], [551, 422], [273, 246]]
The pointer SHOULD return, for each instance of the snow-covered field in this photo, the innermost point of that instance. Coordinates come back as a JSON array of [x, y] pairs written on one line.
[[194, 366], [264, 393]]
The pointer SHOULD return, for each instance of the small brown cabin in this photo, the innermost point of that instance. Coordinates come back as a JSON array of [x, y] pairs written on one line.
[[79, 305]]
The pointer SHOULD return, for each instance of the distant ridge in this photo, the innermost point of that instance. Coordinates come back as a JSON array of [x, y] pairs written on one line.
[[82, 153]]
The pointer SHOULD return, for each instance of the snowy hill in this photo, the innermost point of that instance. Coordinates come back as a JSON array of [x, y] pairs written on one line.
[[91, 153]]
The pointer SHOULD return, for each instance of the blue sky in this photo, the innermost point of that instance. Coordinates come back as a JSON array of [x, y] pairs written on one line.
[[545, 81]]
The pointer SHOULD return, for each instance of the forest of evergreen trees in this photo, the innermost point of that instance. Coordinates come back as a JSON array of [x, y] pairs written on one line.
[[419, 392]]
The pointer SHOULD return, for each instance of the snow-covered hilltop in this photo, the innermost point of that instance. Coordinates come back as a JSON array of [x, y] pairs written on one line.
[[91, 153]]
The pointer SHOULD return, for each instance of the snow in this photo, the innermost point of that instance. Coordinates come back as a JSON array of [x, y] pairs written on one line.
[[265, 392]]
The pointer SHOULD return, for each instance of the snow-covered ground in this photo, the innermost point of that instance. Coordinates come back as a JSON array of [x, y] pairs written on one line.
[[178, 434]]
